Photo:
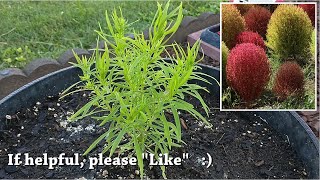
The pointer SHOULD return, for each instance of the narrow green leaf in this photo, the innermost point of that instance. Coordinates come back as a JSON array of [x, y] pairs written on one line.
[[139, 152], [94, 144], [117, 140], [177, 121]]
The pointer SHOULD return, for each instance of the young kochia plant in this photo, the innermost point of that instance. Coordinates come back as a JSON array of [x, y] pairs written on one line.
[[133, 88]]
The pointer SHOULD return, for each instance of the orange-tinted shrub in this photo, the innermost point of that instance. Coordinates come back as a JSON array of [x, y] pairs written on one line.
[[232, 24]]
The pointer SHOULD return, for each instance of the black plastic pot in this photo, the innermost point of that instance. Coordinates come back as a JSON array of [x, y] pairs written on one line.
[[289, 124]]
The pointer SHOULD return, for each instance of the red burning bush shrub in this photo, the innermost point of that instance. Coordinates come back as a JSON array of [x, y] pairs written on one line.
[[257, 19], [289, 80], [244, 8], [310, 10], [251, 37], [248, 71]]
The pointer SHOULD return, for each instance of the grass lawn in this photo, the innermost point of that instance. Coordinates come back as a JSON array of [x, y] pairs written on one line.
[[36, 29]]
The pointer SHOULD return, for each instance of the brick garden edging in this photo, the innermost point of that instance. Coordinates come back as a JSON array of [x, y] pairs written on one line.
[[14, 78]]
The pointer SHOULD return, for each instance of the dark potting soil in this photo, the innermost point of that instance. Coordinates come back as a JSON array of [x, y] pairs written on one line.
[[240, 148], [206, 59]]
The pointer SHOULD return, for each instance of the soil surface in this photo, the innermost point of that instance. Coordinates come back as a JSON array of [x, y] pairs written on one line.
[[240, 148]]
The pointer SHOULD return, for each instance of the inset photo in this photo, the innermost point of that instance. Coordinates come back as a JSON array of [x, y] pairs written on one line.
[[268, 56]]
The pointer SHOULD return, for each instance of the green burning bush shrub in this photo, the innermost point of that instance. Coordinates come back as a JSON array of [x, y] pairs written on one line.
[[289, 32]]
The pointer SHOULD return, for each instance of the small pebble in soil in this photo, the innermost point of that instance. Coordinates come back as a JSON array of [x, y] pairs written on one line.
[[304, 173], [8, 117], [35, 109], [105, 173], [58, 104], [22, 127], [75, 130], [259, 163], [70, 113], [64, 124], [90, 128], [137, 172], [51, 109], [38, 103]]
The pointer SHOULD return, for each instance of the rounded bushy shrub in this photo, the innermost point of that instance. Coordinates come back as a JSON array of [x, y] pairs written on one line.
[[289, 80], [251, 37], [289, 32], [310, 10], [257, 19], [225, 53], [248, 71], [232, 24], [244, 8]]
